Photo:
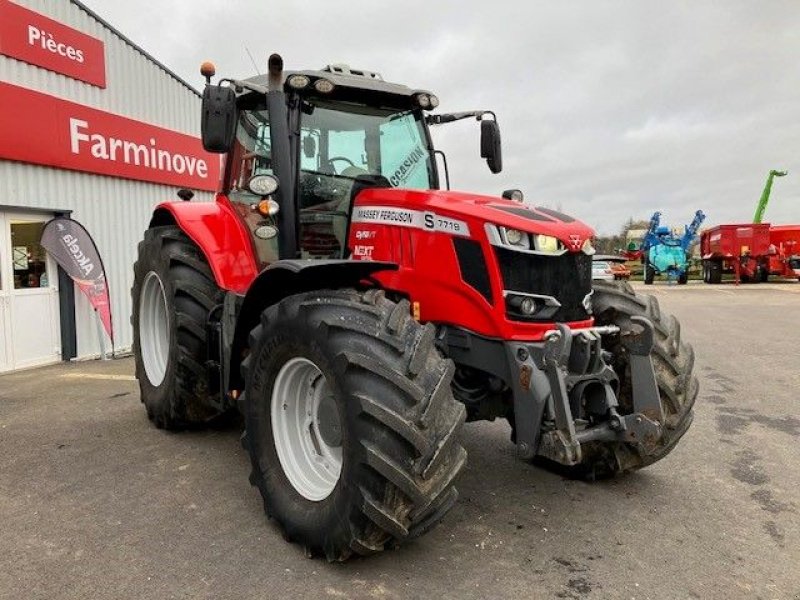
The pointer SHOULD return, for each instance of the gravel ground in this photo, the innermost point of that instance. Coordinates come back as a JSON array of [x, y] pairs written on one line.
[[96, 503]]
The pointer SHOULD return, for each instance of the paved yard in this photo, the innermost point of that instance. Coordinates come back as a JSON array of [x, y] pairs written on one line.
[[96, 503]]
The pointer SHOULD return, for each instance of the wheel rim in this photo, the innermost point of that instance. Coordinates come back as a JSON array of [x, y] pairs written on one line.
[[307, 429], [154, 328]]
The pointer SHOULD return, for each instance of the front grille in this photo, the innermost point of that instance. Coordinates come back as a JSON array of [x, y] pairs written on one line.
[[566, 277]]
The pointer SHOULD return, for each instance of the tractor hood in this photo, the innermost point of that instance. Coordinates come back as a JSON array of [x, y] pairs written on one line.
[[475, 210]]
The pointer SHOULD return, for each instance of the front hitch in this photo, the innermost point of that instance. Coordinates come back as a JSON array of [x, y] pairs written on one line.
[[565, 393]]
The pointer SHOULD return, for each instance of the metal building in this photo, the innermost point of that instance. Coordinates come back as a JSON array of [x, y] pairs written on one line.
[[93, 127]]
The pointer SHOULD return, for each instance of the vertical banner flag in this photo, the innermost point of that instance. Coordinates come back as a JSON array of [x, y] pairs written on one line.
[[73, 248]]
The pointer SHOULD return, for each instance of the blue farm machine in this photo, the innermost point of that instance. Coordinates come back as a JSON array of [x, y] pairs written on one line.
[[666, 253]]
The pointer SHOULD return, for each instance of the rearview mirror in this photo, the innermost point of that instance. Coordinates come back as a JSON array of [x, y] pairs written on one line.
[[218, 120], [491, 149]]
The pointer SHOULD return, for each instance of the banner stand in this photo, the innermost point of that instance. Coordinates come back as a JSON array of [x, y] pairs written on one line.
[[73, 248], [100, 336]]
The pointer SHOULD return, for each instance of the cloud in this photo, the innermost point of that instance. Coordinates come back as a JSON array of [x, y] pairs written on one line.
[[608, 109]]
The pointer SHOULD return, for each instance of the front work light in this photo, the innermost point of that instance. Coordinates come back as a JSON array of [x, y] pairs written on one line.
[[262, 185], [324, 86], [298, 82], [515, 195]]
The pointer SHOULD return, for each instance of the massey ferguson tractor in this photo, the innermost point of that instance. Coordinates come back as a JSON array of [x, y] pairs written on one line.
[[356, 314]]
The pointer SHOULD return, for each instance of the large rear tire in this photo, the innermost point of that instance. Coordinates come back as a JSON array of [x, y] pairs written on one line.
[[673, 362], [351, 425], [173, 292]]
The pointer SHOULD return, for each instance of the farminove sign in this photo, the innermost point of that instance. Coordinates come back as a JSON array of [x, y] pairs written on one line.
[[46, 130], [33, 38]]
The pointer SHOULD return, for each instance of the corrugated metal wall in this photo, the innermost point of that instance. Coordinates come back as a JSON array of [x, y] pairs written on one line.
[[115, 211]]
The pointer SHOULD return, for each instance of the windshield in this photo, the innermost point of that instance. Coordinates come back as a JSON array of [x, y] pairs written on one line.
[[351, 140], [343, 148]]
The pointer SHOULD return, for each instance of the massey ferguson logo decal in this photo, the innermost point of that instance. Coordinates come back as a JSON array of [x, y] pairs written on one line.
[[417, 219], [575, 241]]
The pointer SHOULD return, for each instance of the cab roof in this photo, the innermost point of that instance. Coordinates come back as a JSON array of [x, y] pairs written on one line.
[[342, 76]]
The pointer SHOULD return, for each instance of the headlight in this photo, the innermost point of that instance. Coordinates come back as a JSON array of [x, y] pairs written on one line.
[[527, 306], [546, 243], [515, 237], [587, 247]]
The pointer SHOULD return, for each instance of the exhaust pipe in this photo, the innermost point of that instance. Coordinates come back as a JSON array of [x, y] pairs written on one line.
[[282, 158]]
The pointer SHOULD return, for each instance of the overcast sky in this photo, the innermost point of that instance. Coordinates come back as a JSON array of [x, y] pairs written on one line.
[[608, 109]]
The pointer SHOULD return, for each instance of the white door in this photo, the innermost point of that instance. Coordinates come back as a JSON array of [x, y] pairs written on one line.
[[31, 294], [5, 283]]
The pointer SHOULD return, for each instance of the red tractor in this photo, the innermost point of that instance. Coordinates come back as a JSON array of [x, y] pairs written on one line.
[[356, 314]]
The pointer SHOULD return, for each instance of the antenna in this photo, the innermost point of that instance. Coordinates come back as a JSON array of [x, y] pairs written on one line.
[[253, 60]]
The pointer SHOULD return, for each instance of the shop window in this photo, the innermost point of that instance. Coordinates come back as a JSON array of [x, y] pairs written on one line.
[[28, 257]]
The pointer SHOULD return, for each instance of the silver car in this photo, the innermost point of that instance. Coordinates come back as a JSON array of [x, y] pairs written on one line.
[[601, 269]]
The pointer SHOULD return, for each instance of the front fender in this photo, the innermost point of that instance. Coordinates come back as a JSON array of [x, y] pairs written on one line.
[[221, 236], [286, 278]]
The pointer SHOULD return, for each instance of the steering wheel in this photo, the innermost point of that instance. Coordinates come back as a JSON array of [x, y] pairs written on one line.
[[333, 159]]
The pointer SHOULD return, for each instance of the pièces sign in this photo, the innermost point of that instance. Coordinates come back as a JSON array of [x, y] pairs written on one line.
[[33, 38]]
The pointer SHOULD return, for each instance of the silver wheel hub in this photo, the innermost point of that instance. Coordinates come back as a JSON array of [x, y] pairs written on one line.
[[306, 428], [153, 328]]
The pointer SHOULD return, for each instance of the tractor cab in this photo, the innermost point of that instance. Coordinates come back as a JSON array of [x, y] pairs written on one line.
[[301, 145]]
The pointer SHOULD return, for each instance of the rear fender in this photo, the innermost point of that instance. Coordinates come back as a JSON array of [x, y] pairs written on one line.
[[286, 278], [221, 236]]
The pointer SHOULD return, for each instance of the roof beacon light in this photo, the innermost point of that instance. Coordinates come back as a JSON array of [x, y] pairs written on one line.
[[208, 70], [424, 100]]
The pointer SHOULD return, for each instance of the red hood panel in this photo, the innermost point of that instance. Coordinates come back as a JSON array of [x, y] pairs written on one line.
[[488, 209]]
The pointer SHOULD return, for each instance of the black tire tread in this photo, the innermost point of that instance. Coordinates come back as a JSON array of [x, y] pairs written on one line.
[[673, 363], [380, 341], [195, 291]]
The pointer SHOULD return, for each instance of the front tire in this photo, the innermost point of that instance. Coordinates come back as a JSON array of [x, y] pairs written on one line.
[[363, 455], [673, 363], [173, 292]]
